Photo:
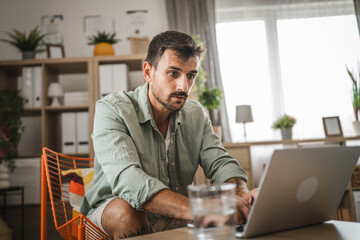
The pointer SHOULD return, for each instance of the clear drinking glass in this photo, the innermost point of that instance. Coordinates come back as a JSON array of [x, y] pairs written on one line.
[[213, 210]]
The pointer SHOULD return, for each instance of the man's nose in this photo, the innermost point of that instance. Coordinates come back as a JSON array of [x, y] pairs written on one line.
[[182, 84]]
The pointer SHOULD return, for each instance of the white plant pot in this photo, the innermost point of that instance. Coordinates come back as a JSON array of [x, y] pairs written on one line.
[[356, 126], [4, 176], [286, 133]]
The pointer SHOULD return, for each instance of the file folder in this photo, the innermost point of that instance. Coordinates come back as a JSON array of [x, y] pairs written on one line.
[[120, 77], [105, 80], [82, 130], [68, 132], [37, 86], [27, 86]]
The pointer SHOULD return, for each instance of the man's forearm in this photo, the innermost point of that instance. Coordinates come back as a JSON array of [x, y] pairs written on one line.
[[241, 185], [170, 204]]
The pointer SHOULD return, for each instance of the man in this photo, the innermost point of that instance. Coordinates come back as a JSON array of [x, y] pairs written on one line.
[[148, 144]]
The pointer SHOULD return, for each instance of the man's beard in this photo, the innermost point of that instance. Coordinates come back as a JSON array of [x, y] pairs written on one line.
[[172, 107]]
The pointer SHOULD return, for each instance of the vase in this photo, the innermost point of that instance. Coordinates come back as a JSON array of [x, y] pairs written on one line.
[[356, 126], [28, 55], [4, 176], [102, 49], [286, 133]]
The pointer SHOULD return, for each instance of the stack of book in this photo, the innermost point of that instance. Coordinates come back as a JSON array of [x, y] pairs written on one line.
[[76, 98]]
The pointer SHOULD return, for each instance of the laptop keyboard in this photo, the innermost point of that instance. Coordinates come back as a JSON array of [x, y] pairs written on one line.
[[239, 228]]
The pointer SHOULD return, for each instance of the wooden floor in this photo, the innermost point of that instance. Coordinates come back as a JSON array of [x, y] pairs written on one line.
[[31, 223]]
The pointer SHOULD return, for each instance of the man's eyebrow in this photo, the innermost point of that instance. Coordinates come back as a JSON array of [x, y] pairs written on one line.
[[179, 69]]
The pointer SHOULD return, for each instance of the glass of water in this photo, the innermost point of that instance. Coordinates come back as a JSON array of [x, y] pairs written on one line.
[[213, 209]]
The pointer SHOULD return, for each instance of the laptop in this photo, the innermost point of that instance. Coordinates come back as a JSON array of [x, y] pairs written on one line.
[[300, 187]]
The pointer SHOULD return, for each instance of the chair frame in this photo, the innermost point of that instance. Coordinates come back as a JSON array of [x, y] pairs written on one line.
[[80, 227]]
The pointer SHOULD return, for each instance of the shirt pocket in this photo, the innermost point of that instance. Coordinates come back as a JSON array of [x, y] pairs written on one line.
[[149, 165]]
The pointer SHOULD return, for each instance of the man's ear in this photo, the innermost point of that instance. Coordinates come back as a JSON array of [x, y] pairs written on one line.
[[147, 71]]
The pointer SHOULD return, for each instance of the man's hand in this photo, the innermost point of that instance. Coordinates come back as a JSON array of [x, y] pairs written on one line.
[[243, 206], [244, 199]]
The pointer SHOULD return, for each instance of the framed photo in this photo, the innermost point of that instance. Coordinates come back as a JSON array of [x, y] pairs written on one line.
[[55, 50], [139, 44], [332, 126]]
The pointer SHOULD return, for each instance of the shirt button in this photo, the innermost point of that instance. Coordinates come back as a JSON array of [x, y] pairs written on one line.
[[172, 163], [177, 188], [171, 141]]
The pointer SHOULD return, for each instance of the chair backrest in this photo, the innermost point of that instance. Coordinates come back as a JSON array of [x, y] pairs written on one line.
[[54, 165], [58, 185]]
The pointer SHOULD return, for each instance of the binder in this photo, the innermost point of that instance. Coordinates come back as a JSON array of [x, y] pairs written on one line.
[[120, 77], [136, 79], [82, 130], [105, 80], [68, 132], [37, 86], [27, 86]]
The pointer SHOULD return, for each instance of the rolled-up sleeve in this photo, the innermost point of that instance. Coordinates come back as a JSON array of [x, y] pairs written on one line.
[[218, 165], [119, 159]]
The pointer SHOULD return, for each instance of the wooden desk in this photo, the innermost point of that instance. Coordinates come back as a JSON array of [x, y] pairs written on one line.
[[330, 230]]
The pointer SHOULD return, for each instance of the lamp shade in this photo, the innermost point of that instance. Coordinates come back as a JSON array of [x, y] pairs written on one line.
[[244, 113], [55, 90]]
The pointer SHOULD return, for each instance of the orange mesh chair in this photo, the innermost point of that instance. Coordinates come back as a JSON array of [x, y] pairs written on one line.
[[52, 181]]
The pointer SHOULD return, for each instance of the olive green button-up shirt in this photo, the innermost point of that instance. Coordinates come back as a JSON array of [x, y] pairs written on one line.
[[130, 152]]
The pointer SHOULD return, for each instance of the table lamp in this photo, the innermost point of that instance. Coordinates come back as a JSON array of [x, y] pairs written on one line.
[[244, 115], [55, 91]]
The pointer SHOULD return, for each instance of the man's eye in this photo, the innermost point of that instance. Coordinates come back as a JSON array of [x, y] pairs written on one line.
[[173, 74], [191, 76]]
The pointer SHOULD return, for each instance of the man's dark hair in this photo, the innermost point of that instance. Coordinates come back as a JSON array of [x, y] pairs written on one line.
[[183, 45]]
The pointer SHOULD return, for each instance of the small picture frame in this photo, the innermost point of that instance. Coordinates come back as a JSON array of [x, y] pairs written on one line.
[[55, 50], [139, 44], [332, 126]]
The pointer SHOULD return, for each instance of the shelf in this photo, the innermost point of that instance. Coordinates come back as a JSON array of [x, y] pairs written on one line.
[[86, 155], [68, 67], [30, 155], [31, 112], [134, 62], [296, 141], [67, 108], [52, 69]]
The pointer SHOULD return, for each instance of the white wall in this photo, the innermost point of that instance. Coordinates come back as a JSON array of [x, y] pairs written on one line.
[[26, 14]]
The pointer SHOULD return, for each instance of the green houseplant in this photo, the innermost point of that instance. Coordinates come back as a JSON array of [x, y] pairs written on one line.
[[103, 42], [356, 92], [28, 44], [285, 124], [209, 98], [355, 98], [11, 109]]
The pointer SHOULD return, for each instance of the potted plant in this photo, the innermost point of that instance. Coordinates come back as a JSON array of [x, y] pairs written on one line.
[[103, 42], [28, 44], [11, 109], [285, 124], [356, 99], [209, 98]]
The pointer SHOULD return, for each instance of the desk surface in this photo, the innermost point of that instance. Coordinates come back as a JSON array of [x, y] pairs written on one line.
[[330, 230]]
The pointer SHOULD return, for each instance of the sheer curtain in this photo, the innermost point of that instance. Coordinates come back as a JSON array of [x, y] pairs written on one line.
[[287, 56], [198, 17]]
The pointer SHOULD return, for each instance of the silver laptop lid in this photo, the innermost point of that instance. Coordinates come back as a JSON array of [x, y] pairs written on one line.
[[301, 187]]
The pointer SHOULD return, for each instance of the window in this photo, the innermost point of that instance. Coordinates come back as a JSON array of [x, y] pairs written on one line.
[[288, 59], [244, 70]]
